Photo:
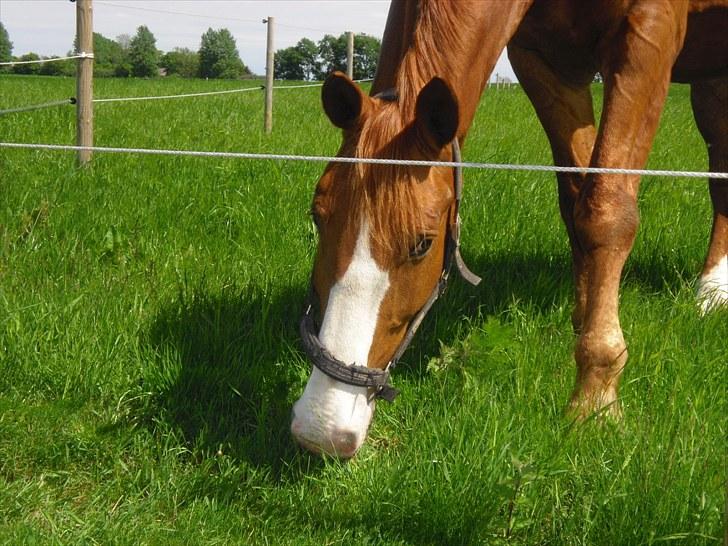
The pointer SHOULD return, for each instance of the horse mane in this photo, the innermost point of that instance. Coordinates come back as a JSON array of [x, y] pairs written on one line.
[[423, 55], [383, 194], [386, 193]]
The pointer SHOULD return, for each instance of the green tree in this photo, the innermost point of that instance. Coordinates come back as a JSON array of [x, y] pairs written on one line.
[[332, 53], [288, 64], [6, 46], [299, 62], [143, 53], [219, 57], [181, 61], [122, 69], [54, 68], [366, 56], [27, 68], [108, 56]]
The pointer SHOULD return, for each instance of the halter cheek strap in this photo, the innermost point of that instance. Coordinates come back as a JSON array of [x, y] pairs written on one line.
[[378, 380]]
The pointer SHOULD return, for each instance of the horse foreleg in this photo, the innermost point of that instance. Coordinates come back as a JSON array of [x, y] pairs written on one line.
[[709, 100], [567, 115], [637, 73]]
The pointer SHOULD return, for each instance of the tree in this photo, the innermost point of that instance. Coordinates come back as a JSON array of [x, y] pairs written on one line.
[[366, 56], [122, 69], [124, 41], [27, 68], [108, 56], [332, 52], [299, 62], [6, 46], [143, 53], [288, 64], [219, 57], [57, 68], [181, 61], [308, 61]]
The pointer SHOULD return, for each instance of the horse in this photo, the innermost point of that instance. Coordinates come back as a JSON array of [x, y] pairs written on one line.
[[388, 233]]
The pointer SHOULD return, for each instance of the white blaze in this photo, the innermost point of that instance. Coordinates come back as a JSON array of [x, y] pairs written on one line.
[[328, 408], [713, 287]]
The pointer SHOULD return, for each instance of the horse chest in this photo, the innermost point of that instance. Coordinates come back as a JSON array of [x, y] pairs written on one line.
[[572, 35]]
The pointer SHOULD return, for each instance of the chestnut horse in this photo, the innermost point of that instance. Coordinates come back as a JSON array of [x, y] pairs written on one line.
[[385, 230]]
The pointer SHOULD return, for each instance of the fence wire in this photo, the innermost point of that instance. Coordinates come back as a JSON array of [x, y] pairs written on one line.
[[184, 95], [210, 93], [71, 100], [374, 161], [81, 55]]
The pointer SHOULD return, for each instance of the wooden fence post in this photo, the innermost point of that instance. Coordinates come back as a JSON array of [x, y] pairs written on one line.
[[84, 80], [268, 124], [350, 55]]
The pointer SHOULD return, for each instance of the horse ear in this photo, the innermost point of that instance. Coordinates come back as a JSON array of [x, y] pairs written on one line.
[[343, 101], [437, 114]]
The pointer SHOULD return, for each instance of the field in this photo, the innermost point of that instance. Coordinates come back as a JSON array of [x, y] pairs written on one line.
[[149, 354]]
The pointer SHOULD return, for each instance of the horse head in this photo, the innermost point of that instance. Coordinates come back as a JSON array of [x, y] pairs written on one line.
[[382, 249]]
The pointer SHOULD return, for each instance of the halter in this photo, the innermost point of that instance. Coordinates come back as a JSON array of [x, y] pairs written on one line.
[[378, 380]]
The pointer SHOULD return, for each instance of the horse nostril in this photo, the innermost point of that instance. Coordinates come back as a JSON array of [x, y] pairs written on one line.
[[345, 443], [339, 443]]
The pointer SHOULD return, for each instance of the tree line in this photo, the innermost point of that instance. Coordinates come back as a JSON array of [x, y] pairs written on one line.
[[308, 60], [217, 57], [138, 56]]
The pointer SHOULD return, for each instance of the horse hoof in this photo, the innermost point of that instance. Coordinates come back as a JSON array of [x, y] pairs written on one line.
[[602, 407], [711, 297]]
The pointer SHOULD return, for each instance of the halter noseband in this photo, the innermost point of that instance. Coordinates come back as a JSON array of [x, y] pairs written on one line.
[[378, 380]]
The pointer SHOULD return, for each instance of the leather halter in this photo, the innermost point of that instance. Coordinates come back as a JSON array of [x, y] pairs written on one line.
[[378, 380]]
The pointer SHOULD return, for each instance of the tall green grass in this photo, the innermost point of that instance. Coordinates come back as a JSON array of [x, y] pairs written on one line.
[[149, 355]]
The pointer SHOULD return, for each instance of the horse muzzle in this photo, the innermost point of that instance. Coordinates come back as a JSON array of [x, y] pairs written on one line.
[[331, 418]]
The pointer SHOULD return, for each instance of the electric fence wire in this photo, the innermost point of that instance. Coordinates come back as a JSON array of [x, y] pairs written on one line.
[[372, 161]]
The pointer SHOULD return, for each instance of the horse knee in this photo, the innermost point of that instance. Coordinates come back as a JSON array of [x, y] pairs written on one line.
[[601, 354], [608, 221]]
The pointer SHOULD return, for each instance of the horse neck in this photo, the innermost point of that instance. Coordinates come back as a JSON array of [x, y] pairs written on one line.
[[459, 41]]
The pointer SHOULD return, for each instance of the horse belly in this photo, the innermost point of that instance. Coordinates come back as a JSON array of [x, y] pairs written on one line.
[[705, 51]]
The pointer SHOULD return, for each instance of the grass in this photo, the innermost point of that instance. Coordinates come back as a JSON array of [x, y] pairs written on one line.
[[149, 355]]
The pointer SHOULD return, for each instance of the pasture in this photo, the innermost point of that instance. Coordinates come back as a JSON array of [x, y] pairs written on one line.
[[149, 352]]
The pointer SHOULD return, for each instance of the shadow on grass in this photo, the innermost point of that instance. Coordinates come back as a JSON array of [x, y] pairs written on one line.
[[222, 371], [223, 362], [537, 281], [661, 271]]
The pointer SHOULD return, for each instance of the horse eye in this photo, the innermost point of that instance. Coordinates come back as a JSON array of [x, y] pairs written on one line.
[[421, 248]]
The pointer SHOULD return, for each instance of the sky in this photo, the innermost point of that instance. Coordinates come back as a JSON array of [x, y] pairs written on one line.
[[47, 27]]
